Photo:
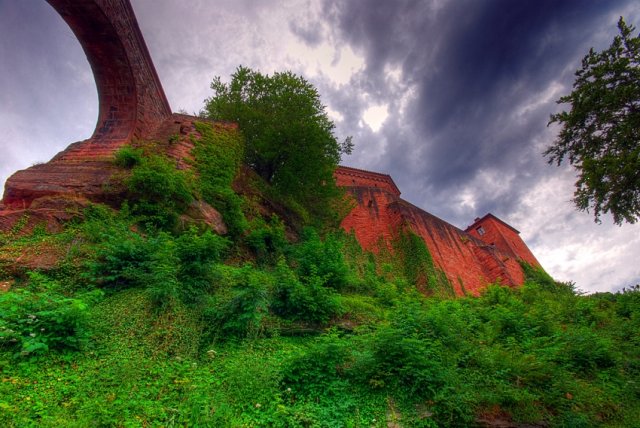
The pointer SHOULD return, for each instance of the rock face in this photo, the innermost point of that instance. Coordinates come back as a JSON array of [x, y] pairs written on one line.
[[471, 260]]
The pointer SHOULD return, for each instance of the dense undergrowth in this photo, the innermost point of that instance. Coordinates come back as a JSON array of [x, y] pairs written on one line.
[[147, 321]]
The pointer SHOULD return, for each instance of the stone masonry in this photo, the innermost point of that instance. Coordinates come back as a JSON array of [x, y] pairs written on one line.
[[470, 260], [132, 103]]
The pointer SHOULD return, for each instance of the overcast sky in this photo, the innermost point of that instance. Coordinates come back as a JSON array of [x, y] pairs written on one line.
[[451, 98]]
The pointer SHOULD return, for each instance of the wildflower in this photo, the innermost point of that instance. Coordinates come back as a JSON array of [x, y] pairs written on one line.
[[32, 334], [258, 405]]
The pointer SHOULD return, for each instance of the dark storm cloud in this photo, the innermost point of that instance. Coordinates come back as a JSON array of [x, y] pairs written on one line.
[[472, 65], [310, 33]]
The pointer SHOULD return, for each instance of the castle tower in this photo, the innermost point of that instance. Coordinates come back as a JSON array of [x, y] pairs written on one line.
[[505, 238]]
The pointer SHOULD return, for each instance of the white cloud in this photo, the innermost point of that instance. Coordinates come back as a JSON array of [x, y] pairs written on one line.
[[375, 115], [569, 245]]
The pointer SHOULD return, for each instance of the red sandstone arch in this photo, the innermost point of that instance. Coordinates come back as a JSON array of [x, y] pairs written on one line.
[[131, 99], [132, 104]]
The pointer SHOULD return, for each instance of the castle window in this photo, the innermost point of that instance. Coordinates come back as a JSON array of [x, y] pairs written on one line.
[[480, 230]]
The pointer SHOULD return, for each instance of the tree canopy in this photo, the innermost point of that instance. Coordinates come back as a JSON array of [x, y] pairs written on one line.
[[289, 137], [600, 135]]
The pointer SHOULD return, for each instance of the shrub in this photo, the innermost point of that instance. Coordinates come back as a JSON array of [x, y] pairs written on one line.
[[158, 192], [169, 267], [323, 259], [267, 239], [309, 301], [34, 323], [197, 253], [320, 369], [242, 311], [128, 157], [585, 351]]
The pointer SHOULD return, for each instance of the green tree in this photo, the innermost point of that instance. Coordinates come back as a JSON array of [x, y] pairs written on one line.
[[600, 135], [289, 137]]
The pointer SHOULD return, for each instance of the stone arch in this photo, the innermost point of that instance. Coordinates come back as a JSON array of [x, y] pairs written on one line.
[[131, 100], [132, 104]]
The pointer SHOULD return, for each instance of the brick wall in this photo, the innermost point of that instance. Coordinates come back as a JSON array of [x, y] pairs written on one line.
[[469, 263], [494, 231], [132, 103]]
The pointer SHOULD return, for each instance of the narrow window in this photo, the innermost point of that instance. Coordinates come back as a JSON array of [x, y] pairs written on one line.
[[480, 230]]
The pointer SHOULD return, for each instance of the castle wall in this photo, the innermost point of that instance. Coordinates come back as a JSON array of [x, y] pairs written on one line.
[[352, 177], [469, 263], [502, 236]]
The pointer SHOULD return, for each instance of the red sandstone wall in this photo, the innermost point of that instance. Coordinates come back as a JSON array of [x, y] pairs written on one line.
[[352, 177], [504, 237], [469, 263], [132, 101], [371, 220]]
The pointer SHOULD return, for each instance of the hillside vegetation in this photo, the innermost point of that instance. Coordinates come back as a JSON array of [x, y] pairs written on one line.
[[149, 318]]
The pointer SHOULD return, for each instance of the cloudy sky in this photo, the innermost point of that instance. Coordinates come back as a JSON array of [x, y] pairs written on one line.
[[450, 97]]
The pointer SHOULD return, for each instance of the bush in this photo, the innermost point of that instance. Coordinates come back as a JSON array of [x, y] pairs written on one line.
[[266, 239], [311, 301], [242, 311], [128, 157], [320, 369], [169, 267], [34, 323], [197, 253], [323, 259], [157, 191]]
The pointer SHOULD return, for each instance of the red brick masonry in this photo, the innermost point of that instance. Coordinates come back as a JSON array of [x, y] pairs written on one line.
[[132, 103], [469, 259]]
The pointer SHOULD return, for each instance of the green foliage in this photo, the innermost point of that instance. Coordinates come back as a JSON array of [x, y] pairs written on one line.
[[169, 267], [266, 239], [289, 137], [33, 322], [197, 255], [158, 191], [308, 301], [242, 311], [128, 157], [218, 156], [600, 135], [181, 339], [418, 266], [322, 259]]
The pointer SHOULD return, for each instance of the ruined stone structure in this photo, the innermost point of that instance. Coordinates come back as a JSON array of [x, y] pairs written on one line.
[[488, 251], [133, 105]]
